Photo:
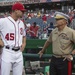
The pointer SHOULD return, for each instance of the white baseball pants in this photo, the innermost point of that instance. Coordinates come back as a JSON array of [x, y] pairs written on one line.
[[17, 68]]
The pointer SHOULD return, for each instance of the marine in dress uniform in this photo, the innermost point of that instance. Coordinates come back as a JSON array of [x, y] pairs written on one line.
[[62, 39]]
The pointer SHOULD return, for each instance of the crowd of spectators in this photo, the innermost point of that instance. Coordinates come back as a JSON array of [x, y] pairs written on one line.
[[44, 21], [39, 24]]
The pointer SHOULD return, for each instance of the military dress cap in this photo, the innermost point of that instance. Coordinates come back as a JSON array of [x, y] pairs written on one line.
[[60, 15]]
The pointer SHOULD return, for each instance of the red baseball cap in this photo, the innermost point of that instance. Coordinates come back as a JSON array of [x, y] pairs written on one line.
[[18, 6]]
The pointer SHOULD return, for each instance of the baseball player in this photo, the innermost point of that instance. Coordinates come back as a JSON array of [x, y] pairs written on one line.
[[62, 39], [13, 34]]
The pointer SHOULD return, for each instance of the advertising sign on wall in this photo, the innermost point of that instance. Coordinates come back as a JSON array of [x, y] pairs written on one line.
[[10, 2]]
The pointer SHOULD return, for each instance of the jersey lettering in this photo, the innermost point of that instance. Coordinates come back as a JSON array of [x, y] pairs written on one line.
[[9, 36], [21, 31]]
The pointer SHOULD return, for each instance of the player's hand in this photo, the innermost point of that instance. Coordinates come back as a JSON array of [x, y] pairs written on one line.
[[22, 47], [40, 53], [1, 43]]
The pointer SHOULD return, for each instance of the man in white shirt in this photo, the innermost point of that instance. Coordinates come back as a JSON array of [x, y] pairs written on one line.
[[13, 34]]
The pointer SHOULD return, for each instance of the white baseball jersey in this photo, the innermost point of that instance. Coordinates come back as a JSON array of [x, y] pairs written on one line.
[[12, 33]]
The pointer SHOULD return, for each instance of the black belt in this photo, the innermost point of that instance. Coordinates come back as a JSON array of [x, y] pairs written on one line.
[[14, 48]]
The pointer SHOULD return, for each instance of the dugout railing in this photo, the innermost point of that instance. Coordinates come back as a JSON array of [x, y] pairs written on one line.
[[45, 57]]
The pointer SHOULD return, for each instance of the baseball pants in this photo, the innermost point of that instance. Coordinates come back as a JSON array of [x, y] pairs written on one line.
[[17, 68]]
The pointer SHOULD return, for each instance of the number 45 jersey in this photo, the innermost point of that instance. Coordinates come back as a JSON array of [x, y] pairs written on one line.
[[12, 31]]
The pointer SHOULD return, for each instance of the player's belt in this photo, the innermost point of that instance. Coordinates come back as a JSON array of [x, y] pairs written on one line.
[[14, 48]]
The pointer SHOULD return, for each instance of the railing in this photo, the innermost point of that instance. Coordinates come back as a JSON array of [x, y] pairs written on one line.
[[36, 55], [48, 56], [44, 56]]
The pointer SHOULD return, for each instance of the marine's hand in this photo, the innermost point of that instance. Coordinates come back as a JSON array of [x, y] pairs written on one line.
[[40, 53], [69, 57]]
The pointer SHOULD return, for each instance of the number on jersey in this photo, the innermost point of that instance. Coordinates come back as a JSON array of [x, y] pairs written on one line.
[[9, 36]]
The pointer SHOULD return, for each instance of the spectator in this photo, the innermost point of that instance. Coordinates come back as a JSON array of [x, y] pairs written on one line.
[[73, 21], [47, 68], [27, 30], [39, 14], [29, 15], [50, 28], [34, 31], [74, 13], [44, 18]]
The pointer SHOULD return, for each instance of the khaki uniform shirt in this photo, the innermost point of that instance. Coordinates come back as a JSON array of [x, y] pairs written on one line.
[[62, 41]]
